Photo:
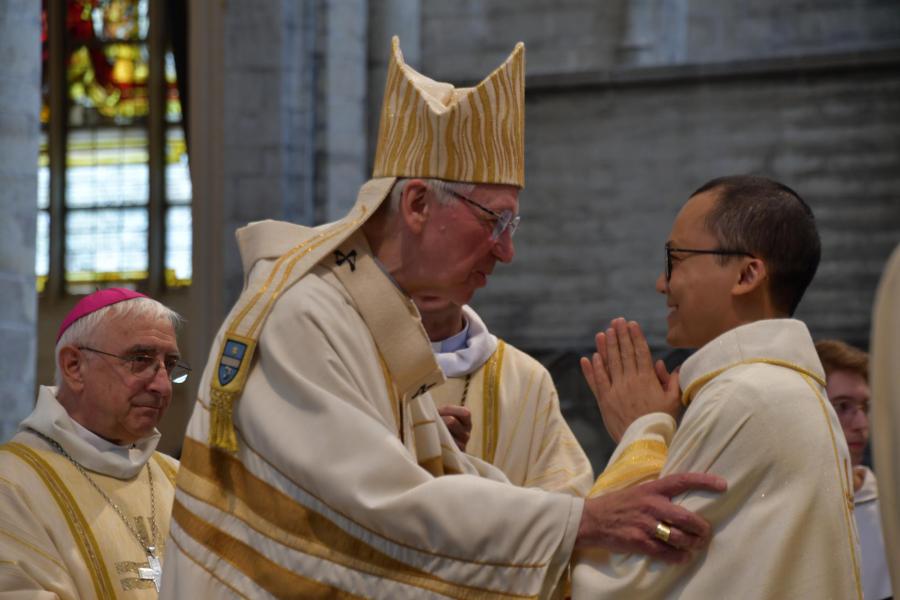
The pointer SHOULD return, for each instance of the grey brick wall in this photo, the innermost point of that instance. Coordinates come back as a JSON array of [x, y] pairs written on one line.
[[631, 105]]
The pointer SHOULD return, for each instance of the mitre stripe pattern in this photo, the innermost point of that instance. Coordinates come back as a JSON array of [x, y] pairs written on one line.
[[468, 134]]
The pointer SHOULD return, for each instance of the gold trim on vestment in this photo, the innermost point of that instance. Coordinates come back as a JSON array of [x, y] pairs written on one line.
[[164, 465], [690, 391], [513, 431], [223, 396], [392, 396], [276, 515], [203, 567], [78, 525], [548, 474], [28, 544], [638, 461], [847, 489], [270, 576], [434, 465], [491, 403]]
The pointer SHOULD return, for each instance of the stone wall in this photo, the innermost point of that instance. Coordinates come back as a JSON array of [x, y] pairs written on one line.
[[631, 105], [20, 78]]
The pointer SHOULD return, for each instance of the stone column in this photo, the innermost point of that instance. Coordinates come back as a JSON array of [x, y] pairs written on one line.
[[388, 18], [341, 108], [654, 33], [20, 78]]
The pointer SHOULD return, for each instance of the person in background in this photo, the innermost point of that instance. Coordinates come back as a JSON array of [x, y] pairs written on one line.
[[847, 375]]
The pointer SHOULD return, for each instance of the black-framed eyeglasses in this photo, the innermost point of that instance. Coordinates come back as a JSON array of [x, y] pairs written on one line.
[[716, 251], [502, 220], [146, 366]]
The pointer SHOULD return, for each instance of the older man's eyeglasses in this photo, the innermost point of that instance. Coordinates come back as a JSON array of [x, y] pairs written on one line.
[[502, 221], [717, 251], [146, 365]]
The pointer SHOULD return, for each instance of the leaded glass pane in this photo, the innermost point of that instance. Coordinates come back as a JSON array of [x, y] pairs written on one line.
[[173, 100], [106, 244], [107, 67], [178, 245], [107, 167], [43, 191], [42, 249], [121, 19], [178, 175]]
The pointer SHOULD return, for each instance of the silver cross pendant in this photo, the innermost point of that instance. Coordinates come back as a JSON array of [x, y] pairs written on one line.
[[154, 572]]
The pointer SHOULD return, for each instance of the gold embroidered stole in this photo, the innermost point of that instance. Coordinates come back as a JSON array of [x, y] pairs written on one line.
[[244, 322], [405, 353], [80, 527]]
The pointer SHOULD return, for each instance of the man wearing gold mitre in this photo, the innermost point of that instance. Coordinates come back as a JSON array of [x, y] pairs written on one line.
[[315, 463]]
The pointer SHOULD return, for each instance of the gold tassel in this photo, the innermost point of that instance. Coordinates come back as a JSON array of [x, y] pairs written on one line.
[[221, 425]]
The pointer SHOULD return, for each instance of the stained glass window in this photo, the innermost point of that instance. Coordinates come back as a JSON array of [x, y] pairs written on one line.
[[106, 207]]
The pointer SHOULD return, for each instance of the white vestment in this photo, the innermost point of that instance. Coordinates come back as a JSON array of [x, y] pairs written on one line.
[[342, 485], [884, 379], [876, 579], [516, 422], [757, 415], [59, 539]]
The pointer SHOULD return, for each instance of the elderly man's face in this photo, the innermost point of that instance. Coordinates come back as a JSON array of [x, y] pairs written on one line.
[[457, 253], [849, 394], [115, 403]]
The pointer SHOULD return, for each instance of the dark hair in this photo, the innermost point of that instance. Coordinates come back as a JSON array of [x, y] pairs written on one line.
[[769, 220], [840, 356]]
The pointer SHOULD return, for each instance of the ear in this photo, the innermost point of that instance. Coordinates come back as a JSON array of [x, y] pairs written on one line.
[[751, 278], [414, 207], [69, 363]]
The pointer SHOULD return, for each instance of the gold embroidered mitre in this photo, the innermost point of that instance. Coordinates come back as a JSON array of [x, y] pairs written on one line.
[[432, 129]]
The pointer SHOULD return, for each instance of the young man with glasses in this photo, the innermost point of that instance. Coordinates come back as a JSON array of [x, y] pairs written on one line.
[[85, 499], [847, 376], [751, 406]]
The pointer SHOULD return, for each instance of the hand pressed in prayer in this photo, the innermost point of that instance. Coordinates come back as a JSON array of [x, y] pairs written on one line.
[[625, 521], [624, 380], [458, 420]]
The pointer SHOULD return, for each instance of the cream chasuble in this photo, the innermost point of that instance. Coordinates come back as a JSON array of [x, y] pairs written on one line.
[[516, 422], [58, 537], [757, 415], [342, 484], [884, 377]]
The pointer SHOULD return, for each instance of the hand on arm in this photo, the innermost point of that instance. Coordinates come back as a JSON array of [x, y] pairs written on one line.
[[625, 521], [458, 420], [624, 380]]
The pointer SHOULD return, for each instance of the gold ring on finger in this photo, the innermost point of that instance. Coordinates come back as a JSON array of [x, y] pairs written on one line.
[[663, 532]]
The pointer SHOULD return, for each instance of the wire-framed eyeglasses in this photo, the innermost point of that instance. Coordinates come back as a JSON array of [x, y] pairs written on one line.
[[146, 365], [502, 221], [716, 251]]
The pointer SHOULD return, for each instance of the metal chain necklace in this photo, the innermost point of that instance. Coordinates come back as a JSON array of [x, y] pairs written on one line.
[[465, 392], [154, 572]]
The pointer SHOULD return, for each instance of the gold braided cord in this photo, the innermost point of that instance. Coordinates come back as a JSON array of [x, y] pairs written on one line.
[[847, 500], [688, 394]]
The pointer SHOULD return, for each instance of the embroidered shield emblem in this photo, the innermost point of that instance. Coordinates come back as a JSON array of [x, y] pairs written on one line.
[[230, 361]]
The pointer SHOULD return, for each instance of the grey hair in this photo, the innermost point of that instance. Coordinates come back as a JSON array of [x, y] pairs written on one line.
[[443, 190], [82, 331]]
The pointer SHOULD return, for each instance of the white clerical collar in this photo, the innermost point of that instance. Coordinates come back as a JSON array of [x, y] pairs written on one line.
[[51, 419], [479, 344], [98, 443], [454, 342]]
